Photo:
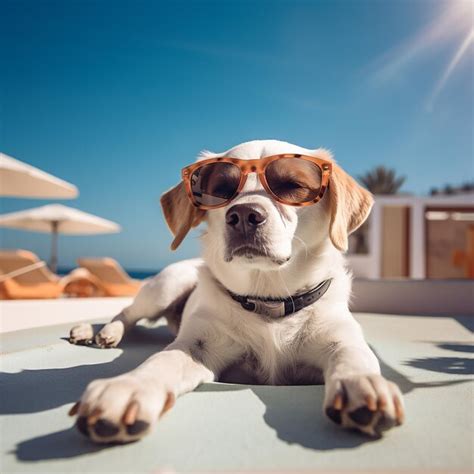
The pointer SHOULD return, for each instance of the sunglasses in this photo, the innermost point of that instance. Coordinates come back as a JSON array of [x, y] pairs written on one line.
[[295, 180]]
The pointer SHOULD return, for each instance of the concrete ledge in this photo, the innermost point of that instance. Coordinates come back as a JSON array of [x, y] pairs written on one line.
[[27, 314], [231, 428], [404, 296], [407, 296]]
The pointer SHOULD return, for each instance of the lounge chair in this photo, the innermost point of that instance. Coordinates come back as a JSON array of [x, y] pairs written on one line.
[[113, 278], [24, 276]]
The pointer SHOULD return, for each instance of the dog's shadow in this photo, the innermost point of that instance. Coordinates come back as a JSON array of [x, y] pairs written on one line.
[[295, 413], [62, 444], [31, 391]]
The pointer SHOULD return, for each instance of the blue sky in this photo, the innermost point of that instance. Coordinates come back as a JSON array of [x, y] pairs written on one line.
[[117, 96]]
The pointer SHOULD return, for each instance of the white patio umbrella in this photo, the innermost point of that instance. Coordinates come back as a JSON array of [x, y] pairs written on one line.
[[58, 219], [18, 179]]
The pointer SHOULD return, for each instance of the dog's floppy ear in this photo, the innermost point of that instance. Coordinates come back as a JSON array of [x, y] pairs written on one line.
[[350, 206], [179, 213]]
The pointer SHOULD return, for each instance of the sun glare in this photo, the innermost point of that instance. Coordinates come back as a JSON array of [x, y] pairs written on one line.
[[461, 51], [453, 25]]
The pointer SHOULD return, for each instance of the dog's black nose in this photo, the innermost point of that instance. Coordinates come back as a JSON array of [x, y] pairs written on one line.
[[245, 217]]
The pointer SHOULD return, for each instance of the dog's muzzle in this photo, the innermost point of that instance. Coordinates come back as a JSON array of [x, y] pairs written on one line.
[[244, 219], [244, 228]]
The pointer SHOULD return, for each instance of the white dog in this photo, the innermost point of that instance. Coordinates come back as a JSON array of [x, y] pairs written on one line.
[[267, 303]]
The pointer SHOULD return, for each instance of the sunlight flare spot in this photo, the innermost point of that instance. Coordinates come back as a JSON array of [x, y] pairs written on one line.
[[463, 48], [453, 21]]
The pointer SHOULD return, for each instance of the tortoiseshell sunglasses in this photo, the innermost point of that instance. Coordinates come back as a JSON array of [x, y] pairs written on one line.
[[295, 180]]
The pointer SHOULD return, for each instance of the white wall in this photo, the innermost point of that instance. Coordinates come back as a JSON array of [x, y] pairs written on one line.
[[407, 296], [369, 266]]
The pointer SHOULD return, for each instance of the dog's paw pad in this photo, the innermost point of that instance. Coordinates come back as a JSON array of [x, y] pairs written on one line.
[[81, 425], [120, 409], [362, 416], [383, 424], [367, 403], [138, 427], [105, 429], [334, 415]]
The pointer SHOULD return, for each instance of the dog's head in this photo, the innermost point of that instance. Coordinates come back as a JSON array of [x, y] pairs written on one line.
[[254, 230]]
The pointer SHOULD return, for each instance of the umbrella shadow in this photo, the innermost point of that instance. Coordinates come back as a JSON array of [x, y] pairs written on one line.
[[456, 347], [454, 365], [406, 385], [446, 365]]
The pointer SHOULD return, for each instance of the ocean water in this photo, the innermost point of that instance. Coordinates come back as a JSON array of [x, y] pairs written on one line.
[[141, 274], [138, 274]]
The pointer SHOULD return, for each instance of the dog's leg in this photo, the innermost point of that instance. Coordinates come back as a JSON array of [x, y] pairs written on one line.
[[125, 408], [162, 295], [356, 394]]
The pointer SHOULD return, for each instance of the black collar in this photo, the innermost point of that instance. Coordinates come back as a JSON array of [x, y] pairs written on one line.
[[278, 308]]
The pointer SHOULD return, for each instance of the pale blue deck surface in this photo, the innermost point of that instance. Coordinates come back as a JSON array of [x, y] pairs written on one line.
[[236, 427]]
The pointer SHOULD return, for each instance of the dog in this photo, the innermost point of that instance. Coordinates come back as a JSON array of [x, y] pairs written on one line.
[[266, 304]]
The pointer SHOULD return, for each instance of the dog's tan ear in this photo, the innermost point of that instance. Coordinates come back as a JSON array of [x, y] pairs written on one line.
[[350, 206], [179, 213]]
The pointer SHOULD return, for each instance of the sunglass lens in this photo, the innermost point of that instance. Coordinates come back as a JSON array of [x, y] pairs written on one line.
[[215, 183], [294, 180]]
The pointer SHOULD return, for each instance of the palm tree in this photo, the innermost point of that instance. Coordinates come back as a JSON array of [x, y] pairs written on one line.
[[382, 180]]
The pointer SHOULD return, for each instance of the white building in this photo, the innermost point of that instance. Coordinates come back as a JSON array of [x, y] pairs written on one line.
[[418, 237]]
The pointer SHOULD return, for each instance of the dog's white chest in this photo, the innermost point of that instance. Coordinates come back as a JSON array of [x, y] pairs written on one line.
[[271, 354]]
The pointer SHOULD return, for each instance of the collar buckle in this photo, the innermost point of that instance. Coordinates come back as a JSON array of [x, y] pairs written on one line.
[[272, 309]]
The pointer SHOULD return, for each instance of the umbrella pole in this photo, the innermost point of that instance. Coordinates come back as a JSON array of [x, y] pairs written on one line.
[[53, 263]]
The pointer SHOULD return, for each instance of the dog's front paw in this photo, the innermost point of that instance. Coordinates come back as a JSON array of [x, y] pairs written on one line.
[[368, 403], [120, 409], [110, 335], [81, 334]]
